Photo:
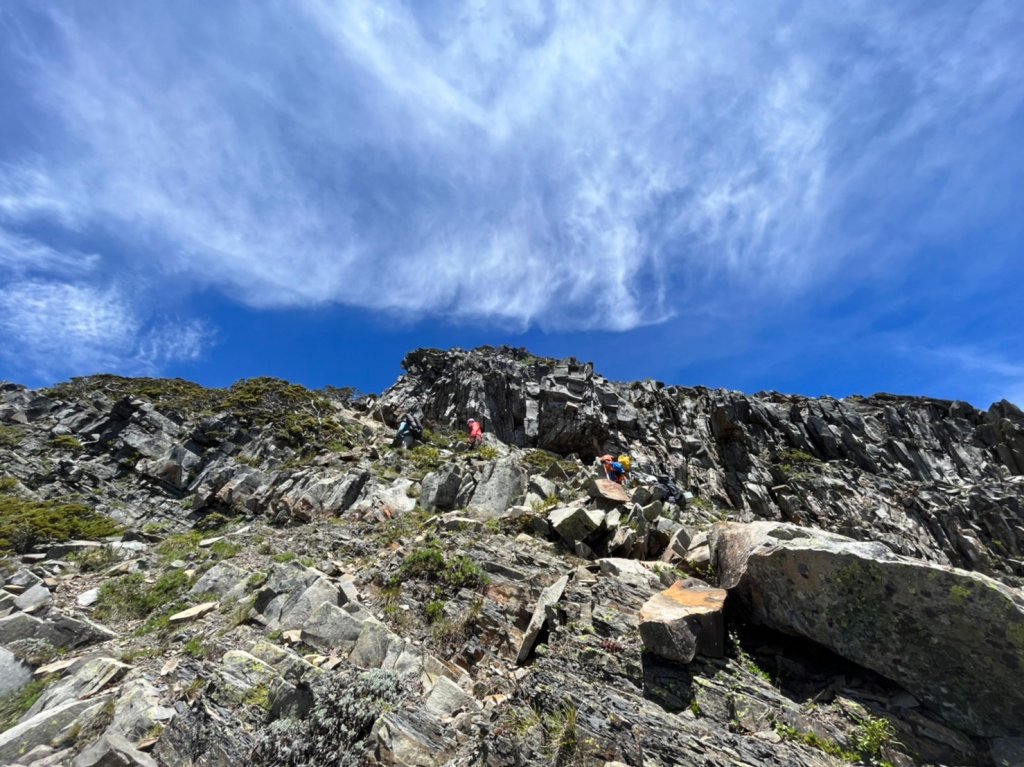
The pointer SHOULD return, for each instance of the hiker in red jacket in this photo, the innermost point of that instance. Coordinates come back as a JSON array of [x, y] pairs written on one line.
[[476, 433]]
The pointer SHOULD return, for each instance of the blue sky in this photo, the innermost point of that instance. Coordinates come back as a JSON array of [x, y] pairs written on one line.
[[805, 197]]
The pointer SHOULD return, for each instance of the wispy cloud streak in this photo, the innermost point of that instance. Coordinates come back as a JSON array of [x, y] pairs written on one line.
[[607, 165]]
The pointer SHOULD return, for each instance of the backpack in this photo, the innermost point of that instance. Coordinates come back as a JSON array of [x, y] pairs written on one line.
[[626, 461], [415, 429]]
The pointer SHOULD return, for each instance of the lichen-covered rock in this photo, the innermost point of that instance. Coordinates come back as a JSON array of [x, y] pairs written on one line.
[[82, 680], [291, 594], [954, 639], [42, 728]]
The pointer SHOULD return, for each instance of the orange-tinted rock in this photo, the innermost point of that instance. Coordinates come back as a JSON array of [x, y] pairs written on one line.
[[683, 621]]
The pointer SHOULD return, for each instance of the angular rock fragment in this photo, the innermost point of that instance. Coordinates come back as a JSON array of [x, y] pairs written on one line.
[[548, 597], [683, 621], [575, 523], [192, 613], [330, 627]]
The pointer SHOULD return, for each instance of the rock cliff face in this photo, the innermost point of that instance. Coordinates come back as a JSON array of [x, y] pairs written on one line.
[[257, 575], [934, 479]]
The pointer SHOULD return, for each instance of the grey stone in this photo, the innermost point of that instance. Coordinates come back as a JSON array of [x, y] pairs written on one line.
[[58, 629], [542, 486], [89, 678], [219, 580], [40, 728], [501, 485], [447, 699], [575, 523], [893, 614], [678, 547], [34, 598], [547, 598], [112, 750], [399, 743], [330, 628], [371, 647], [13, 673], [291, 594], [138, 709], [447, 488]]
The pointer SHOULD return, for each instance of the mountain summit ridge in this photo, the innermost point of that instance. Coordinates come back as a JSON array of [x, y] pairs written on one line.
[[270, 579]]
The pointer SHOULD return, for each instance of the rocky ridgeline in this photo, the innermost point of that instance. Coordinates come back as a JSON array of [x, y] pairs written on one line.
[[256, 576], [933, 479]]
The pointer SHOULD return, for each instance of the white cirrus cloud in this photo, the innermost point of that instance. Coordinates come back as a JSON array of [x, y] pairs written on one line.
[[54, 329], [550, 163]]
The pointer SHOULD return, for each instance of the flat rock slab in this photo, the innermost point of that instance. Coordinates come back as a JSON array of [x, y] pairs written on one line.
[[40, 729], [111, 750], [88, 679], [193, 612], [954, 639], [683, 621], [59, 629], [547, 598], [33, 598], [610, 491]]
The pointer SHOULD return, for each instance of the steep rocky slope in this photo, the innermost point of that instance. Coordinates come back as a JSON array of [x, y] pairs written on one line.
[[255, 575]]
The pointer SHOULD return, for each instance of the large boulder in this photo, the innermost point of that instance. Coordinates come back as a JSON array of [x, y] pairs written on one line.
[[952, 638], [606, 490], [501, 485]]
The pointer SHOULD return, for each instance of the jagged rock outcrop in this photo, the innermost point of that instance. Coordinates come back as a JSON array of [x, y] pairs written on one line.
[[934, 479]]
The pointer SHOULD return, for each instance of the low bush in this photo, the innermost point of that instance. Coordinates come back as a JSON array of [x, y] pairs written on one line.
[[430, 563], [10, 436], [66, 442], [25, 523], [336, 731], [182, 546], [131, 597]]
